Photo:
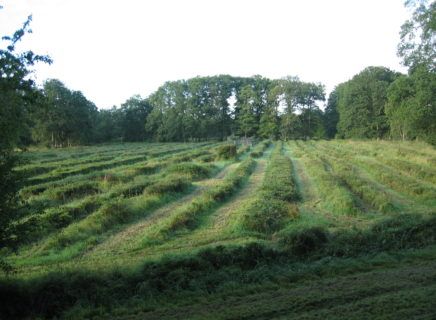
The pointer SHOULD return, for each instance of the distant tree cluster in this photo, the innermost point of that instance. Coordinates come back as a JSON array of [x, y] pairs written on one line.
[[216, 107], [379, 103], [200, 108]]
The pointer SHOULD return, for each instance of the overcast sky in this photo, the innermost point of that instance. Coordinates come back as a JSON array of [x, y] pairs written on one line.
[[111, 50]]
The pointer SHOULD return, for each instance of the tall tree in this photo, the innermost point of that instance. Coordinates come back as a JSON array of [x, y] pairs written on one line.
[[134, 113], [247, 116], [418, 42], [411, 108], [411, 105], [68, 117], [361, 103], [18, 93], [331, 115]]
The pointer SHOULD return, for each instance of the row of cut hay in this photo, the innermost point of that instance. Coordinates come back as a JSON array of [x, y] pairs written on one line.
[[37, 169], [187, 216], [259, 149], [65, 171], [78, 155], [364, 188], [119, 211], [226, 152], [403, 166], [243, 148], [335, 197], [118, 174], [396, 232], [34, 167], [36, 226], [175, 179], [390, 177], [389, 150], [273, 204], [61, 173], [51, 199]]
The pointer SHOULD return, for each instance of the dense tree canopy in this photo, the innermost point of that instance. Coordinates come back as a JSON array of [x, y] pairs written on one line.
[[65, 118], [418, 41], [411, 106], [18, 93], [216, 107], [361, 103]]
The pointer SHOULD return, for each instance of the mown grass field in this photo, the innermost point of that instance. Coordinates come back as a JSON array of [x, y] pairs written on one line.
[[277, 230]]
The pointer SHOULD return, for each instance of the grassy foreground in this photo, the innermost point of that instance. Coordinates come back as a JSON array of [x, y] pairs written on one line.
[[301, 230]]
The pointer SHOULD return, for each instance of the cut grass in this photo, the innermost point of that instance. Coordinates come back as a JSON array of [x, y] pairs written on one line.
[[335, 196], [271, 207], [319, 239], [186, 217]]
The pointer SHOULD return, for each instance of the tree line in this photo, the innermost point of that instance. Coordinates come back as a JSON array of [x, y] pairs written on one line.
[[376, 103]]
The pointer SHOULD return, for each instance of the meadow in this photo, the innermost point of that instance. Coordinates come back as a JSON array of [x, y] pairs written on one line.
[[274, 230]]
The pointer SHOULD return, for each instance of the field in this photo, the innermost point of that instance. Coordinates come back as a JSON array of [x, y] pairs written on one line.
[[276, 230]]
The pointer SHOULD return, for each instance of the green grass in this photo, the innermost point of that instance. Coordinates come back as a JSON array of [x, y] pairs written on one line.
[[300, 229]]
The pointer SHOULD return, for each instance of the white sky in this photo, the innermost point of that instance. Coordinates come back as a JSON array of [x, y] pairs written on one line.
[[111, 49]]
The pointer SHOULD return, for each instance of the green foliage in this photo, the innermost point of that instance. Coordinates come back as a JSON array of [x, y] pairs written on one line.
[[18, 93], [66, 118], [331, 115], [247, 123], [361, 103], [411, 107], [417, 45], [303, 97], [133, 115]]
